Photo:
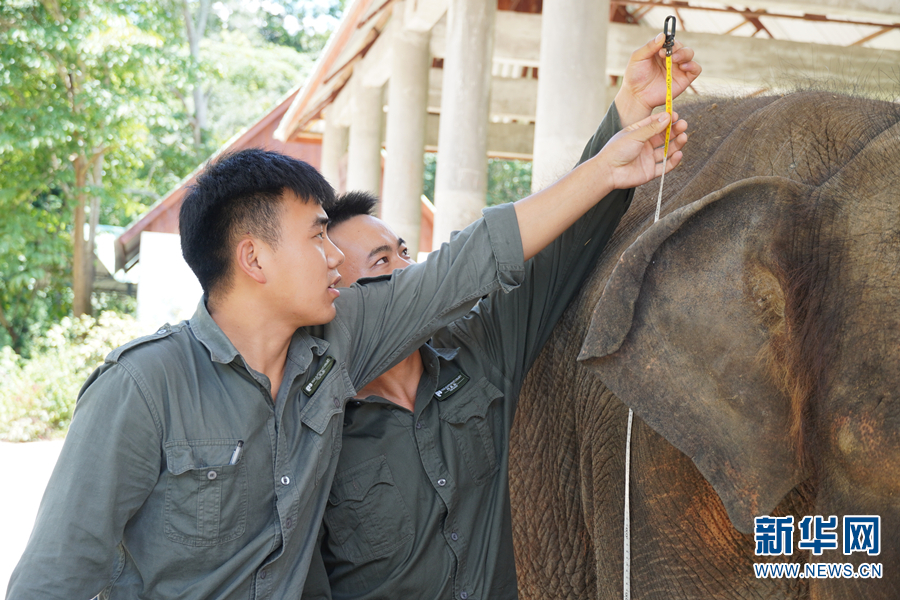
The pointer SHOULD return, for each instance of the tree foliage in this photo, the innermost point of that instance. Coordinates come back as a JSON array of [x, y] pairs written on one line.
[[37, 397], [98, 112], [73, 76]]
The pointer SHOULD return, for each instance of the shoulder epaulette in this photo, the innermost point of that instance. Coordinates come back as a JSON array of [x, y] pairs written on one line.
[[161, 333]]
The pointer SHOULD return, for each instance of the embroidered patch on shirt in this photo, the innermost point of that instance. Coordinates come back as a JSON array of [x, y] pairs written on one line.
[[452, 387], [313, 384]]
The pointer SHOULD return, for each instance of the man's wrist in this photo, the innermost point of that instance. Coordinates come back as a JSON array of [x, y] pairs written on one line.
[[630, 109], [602, 176]]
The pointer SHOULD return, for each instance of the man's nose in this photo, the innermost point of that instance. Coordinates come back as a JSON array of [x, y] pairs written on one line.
[[333, 254]]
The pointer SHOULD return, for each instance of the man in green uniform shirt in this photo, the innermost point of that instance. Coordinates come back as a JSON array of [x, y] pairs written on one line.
[[419, 506], [200, 459]]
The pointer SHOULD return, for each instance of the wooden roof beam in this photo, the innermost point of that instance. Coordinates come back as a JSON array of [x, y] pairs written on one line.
[[811, 12]]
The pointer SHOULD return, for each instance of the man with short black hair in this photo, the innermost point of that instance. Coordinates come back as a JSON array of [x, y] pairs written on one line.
[[199, 459], [351, 204], [419, 506]]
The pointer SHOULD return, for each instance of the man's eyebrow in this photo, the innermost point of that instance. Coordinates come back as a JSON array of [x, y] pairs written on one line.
[[379, 249], [401, 241], [320, 222]]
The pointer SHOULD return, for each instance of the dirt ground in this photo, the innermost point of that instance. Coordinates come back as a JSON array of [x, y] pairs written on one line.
[[24, 472]]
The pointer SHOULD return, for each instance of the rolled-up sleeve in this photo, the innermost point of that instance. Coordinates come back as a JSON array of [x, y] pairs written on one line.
[[383, 321], [506, 243]]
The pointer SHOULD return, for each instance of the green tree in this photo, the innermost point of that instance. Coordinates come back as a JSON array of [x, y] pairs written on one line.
[[33, 262], [99, 120], [73, 80], [240, 82], [304, 25]]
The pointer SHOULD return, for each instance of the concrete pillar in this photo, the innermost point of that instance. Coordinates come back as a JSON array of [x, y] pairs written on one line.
[[364, 160], [405, 140], [572, 86], [461, 180], [334, 146]]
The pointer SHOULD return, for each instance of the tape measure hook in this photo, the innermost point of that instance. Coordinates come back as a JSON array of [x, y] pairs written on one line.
[[670, 35]]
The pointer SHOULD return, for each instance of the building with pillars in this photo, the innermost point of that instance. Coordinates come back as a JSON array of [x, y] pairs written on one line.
[[473, 79], [527, 79]]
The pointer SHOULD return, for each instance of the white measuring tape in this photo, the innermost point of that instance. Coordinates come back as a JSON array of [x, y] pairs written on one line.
[[626, 559]]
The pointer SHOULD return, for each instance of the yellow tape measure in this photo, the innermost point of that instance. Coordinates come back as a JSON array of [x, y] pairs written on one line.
[[668, 45], [626, 524]]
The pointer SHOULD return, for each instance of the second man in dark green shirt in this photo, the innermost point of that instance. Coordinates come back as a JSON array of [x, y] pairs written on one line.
[[419, 506]]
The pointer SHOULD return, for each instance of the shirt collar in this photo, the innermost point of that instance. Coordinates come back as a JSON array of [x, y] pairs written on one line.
[[211, 335], [432, 356], [221, 350]]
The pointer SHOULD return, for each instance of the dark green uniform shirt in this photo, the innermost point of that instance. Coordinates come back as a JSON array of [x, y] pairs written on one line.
[[419, 507], [144, 501]]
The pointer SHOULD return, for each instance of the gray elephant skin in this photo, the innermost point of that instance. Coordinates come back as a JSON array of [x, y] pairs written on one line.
[[755, 331]]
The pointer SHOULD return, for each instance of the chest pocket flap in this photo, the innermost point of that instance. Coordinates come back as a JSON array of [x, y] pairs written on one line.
[[327, 400], [366, 516], [472, 401], [474, 429], [355, 483], [318, 414], [206, 497]]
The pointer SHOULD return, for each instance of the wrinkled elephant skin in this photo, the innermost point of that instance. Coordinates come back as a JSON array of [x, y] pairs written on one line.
[[755, 331]]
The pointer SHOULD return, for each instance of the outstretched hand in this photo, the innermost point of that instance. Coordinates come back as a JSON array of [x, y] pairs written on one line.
[[631, 158], [644, 86], [634, 155]]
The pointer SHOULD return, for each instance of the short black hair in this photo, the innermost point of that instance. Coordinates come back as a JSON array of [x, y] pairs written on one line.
[[351, 204], [241, 192]]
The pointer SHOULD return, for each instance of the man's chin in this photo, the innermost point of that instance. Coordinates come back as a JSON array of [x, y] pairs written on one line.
[[325, 316]]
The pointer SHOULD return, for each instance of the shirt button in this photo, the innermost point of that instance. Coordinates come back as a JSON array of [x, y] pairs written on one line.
[[289, 523], [285, 480], [419, 425], [454, 536], [464, 595], [212, 475], [263, 574], [337, 402], [442, 482]]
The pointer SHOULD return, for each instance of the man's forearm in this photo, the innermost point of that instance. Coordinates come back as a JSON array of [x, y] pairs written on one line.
[[544, 215], [631, 158]]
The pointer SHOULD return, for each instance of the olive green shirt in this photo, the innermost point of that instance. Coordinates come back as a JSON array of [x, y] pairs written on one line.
[[149, 498], [419, 506]]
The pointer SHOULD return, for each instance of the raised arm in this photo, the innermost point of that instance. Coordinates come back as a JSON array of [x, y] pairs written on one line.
[[385, 321], [508, 330], [644, 85]]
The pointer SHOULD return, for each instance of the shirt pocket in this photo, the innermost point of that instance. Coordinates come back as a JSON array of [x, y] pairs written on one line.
[[366, 516], [321, 414], [206, 498], [468, 416]]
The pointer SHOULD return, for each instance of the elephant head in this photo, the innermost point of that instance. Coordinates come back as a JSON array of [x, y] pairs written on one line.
[[757, 329]]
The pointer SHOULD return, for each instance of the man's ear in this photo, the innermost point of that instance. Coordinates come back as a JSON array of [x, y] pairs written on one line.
[[249, 255]]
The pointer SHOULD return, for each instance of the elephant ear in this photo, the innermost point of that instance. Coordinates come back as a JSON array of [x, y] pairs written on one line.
[[684, 331]]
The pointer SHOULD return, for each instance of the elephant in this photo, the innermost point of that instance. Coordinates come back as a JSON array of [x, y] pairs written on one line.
[[755, 332]]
